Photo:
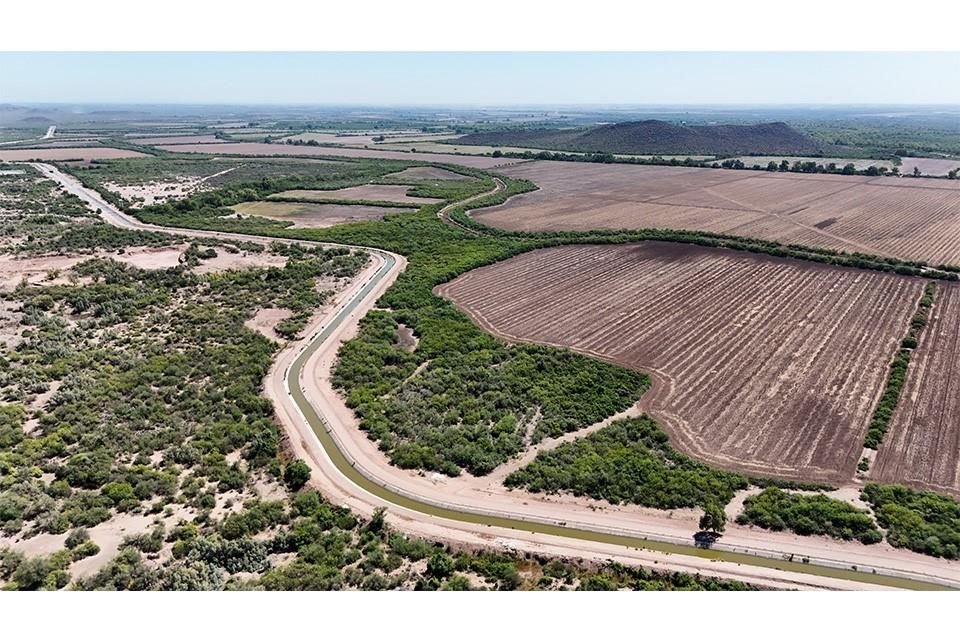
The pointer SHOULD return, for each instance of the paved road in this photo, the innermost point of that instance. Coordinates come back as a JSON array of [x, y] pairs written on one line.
[[322, 437]]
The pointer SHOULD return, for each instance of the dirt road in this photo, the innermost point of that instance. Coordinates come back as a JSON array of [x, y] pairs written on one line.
[[349, 470]]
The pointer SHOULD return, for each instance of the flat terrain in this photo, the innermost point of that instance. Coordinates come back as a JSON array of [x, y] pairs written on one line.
[[315, 216], [911, 219], [66, 153], [759, 364], [929, 166], [922, 446], [425, 173], [365, 192], [262, 149], [858, 163]]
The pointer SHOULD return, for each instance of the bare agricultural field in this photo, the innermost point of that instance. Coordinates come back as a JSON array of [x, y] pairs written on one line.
[[210, 139], [71, 153], [858, 163], [262, 149], [911, 219], [922, 447], [315, 216], [367, 192], [929, 166], [764, 365], [367, 138]]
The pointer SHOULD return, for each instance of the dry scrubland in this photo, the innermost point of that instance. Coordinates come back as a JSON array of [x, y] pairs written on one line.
[[763, 365], [911, 219], [315, 216], [263, 149], [923, 444]]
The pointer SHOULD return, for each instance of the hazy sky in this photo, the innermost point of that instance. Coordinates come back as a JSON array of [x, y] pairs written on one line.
[[482, 78]]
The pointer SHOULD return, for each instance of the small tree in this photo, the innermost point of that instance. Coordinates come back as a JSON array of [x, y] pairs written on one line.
[[296, 475], [714, 519]]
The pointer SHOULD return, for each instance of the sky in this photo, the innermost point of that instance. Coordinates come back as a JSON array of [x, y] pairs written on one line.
[[483, 79]]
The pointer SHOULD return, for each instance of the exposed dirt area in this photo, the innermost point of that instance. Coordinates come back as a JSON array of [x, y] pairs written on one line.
[[71, 153], [242, 260], [922, 447], [368, 192], [929, 166], [425, 173], [912, 219], [202, 139], [263, 149], [406, 339], [759, 364], [157, 192], [369, 138], [314, 216], [265, 322]]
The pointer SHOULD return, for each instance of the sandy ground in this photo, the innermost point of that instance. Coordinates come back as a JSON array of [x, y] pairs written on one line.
[[308, 215], [265, 322], [142, 195], [342, 491], [74, 153], [242, 260]]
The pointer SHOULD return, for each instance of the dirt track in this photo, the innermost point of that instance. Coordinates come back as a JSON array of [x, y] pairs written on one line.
[[340, 489]]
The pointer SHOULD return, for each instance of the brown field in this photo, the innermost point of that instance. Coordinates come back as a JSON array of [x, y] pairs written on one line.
[[211, 139], [315, 216], [929, 166], [73, 153], [380, 192], [911, 219], [262, 149], [764, 365], [362, 139], [425, 173], [922, 447]]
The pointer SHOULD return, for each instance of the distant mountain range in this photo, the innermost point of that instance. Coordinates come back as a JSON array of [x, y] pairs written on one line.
[[658, 137]]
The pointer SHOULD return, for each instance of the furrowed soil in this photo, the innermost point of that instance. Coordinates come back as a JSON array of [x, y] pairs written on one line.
[[64, 153], [922, 447], [906, 218], [763, 365]]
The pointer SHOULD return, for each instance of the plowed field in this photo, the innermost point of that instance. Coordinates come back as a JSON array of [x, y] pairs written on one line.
[[911, 219], [759, 364], [922, 447]]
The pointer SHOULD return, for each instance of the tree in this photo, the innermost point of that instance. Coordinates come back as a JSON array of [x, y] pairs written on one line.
[[713, 519], [296, 475], [916, 172]]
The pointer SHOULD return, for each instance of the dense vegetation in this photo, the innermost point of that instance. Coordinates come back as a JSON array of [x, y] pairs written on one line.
[[807, 515], [656, 136], [897, 375], [155, 412], [922, 521], [629, 461]]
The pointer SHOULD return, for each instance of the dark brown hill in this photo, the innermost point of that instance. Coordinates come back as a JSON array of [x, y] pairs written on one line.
[[658, 137]]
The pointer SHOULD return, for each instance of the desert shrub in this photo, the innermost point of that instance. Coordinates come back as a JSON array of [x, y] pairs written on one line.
[[922, 521], [629, 461], [809, 515]]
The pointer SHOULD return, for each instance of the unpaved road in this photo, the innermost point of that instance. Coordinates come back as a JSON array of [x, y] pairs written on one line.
[[355, 474]]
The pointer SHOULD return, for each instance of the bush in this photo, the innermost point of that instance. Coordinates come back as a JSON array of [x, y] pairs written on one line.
[[808, 515], [922, 521], [296, 475]]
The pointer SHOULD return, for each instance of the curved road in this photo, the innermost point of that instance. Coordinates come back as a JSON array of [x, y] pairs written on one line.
[[320, 432]]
